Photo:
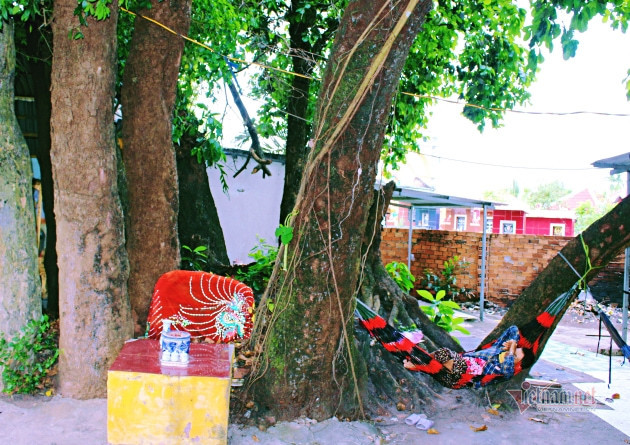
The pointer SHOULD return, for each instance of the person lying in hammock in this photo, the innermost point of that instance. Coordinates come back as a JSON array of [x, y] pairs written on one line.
[[515, 350], [502, 359]]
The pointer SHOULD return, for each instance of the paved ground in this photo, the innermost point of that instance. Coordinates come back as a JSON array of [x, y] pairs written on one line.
[[568, 358]]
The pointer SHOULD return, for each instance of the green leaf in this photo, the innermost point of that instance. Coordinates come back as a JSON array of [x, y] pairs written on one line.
[[461, 329], [445, 325], [284, 233], [449, 304], [401, 275], [426, 294], [429, 311], [27, 358]]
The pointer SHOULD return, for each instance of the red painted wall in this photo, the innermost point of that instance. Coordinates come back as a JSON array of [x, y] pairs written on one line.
[[542, 226], [508, 215]]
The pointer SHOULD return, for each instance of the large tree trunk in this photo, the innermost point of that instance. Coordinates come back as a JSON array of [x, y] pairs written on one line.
[[148, 101], [604, 240], [391, 381], [198, 220], [20, 288], [39, 66], [307, 363], [95, 317]]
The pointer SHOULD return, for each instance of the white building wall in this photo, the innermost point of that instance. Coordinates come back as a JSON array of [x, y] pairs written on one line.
[[251, 207]]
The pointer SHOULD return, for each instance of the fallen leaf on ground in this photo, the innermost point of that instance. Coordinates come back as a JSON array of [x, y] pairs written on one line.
[[536, 419], [477, 429], [496, 406], [256, 439], [432, 431], [493, 411], [616, 396]]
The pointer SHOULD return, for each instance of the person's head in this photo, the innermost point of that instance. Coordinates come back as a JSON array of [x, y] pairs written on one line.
[[525, 357]]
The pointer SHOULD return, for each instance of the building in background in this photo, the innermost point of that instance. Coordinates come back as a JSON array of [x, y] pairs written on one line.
[[517, 221], [511, 219], [250, 209]]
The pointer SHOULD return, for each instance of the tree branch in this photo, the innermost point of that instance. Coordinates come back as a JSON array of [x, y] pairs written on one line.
[[255, 150]]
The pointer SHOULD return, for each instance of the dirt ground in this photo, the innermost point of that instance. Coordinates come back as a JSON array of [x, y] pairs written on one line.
[[27, 420], [61, 421]]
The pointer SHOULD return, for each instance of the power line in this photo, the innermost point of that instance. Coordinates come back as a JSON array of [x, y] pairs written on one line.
[[507, 166], [420, 96], [541, 113]]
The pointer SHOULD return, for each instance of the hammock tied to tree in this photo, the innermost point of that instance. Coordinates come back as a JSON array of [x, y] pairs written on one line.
[[489, 363], [468, 369]]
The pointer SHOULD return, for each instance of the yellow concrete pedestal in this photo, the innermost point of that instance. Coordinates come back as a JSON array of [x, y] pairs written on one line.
[[150, 404]]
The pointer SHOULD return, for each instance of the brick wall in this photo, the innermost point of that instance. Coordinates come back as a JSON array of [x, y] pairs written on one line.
[[513, 261], [430, 248]]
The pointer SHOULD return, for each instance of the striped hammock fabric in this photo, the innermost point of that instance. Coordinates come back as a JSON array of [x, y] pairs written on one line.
[[530, 336]]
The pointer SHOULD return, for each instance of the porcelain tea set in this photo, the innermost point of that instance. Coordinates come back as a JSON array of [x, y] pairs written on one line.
[[174, 345]]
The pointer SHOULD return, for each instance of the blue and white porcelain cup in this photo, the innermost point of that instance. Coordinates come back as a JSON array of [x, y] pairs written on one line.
[[175, 347]]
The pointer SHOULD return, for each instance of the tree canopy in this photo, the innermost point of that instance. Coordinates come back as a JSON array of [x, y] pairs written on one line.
[[485, 54]]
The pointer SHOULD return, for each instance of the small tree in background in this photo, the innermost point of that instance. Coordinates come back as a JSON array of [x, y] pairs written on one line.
[[545, 195]]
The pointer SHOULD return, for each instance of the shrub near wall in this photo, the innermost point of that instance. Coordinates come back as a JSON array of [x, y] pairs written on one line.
[[513, 261]]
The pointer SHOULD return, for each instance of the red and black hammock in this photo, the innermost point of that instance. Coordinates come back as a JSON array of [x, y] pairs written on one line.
[[396, 343]]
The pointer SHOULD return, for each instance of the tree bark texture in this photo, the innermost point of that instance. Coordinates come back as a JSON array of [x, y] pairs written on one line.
[[20, 286], [198, 220], [148, 101], [307, 365], [95, 316], [604, 239], [390, 380]]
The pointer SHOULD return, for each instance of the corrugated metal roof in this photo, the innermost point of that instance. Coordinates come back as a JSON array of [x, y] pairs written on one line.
[[425, 198], [619, 164]]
